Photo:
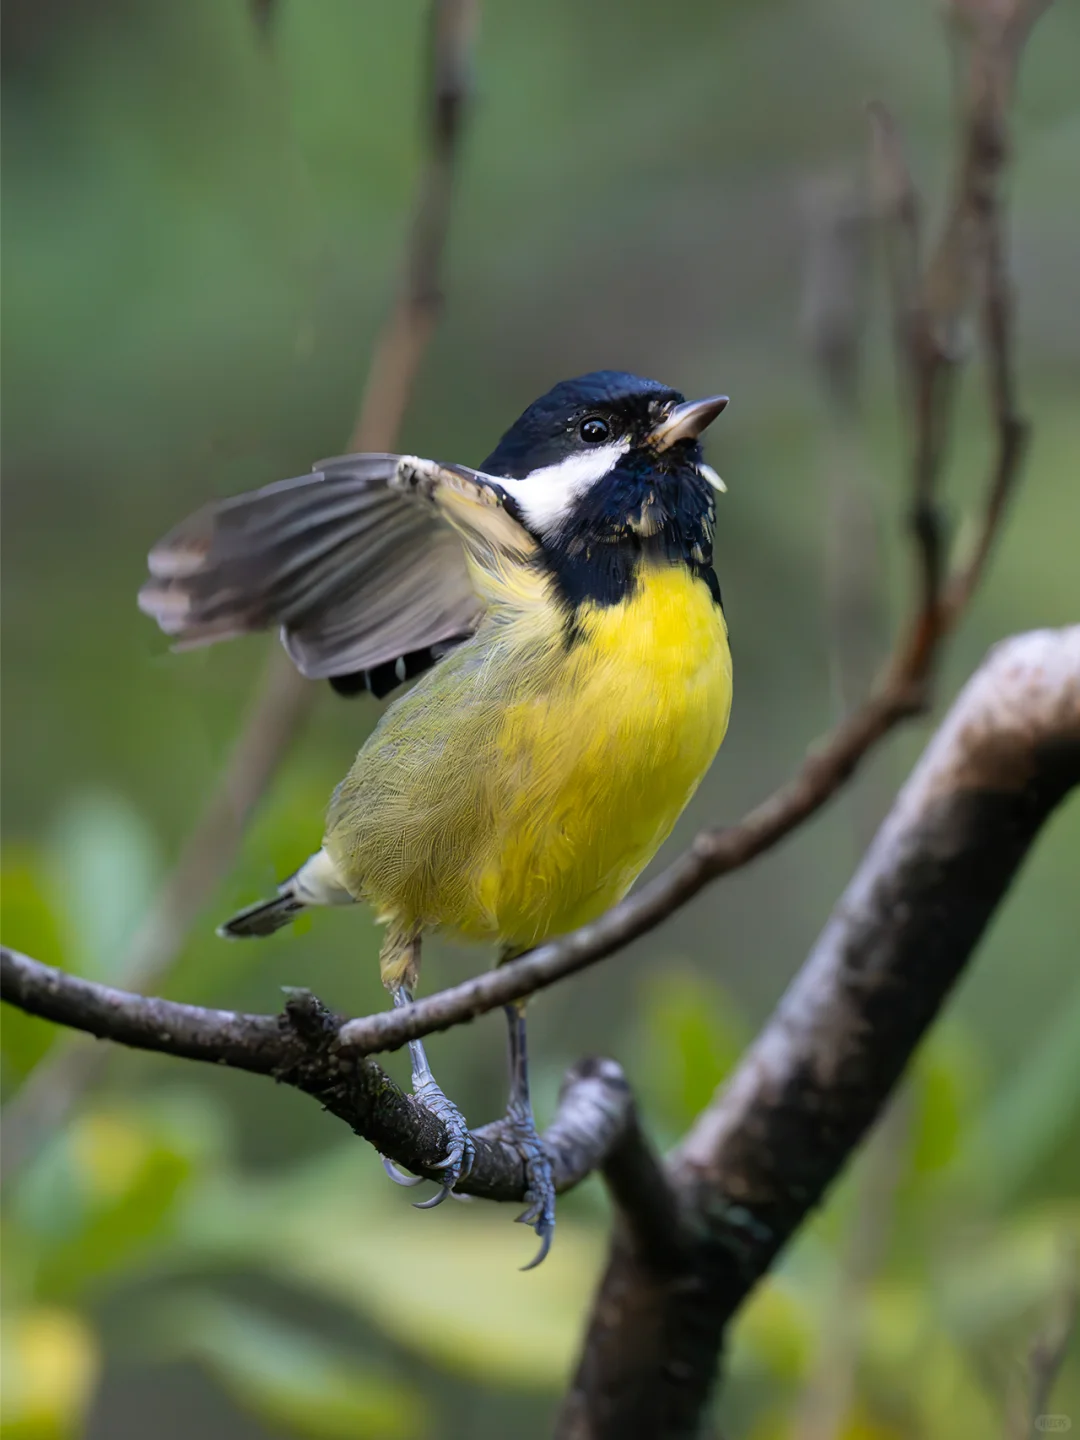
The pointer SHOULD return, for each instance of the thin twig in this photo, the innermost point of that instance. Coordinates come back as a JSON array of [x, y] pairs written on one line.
[[283, 698], [994, 67], [835, 318], [898, 213]]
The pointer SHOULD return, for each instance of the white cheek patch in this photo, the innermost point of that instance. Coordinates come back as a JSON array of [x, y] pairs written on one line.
[[548, 495]]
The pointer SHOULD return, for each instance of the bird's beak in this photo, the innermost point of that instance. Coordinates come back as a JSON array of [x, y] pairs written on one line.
[[686, 421]]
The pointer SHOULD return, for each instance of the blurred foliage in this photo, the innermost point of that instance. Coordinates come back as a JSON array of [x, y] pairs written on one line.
[[199, 232]]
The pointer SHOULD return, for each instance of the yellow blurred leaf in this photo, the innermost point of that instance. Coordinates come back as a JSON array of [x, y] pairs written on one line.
[[693, 1037], [51, 1365], [774, 1333], [109, 1151], [102, 1194]]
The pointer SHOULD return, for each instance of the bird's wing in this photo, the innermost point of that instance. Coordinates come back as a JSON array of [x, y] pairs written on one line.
[[360, 562]]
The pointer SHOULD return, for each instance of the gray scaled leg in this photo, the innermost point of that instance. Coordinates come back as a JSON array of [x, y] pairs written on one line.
[[520, 1126], [400, 963]]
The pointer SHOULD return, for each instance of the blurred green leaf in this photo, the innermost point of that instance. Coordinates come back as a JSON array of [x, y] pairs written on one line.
[[106, 866], [98, 1198], [290, 1378], [945, 1085], [774, 1333], [27, 923], [693, 1035], [1032, 1110]]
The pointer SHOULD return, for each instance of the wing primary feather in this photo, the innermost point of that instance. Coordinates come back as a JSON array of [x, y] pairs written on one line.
[[362, 565]]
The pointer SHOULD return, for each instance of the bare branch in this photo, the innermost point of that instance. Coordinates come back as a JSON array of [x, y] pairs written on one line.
[[284, 697], [595, 1123], [993, 76], [898, 212], [763, 1153]]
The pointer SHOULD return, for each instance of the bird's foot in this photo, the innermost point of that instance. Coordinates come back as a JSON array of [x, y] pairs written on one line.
[[520, 1130], [458, 1160]]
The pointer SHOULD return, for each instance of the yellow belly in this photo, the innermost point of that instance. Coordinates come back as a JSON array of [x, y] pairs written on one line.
[[521, 792]]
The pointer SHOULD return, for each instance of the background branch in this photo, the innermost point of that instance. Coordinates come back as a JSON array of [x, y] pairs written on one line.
[[283, 698]]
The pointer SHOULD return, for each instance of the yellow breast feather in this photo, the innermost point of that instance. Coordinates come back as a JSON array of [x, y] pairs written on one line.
[[523, 785]]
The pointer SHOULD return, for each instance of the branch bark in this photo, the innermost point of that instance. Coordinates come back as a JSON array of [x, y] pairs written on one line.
[[764, 1152], [595, 1122]]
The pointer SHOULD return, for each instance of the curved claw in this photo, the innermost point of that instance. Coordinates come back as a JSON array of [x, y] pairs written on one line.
[[468, 1158], [444, 1191], [539, 1213], [547, 1234], [398, 1176], [455, 1157], [459, 1160]]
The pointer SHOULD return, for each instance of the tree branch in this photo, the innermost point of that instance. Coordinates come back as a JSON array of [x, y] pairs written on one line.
[[764, 1152], [284, 697], [595, 1122]]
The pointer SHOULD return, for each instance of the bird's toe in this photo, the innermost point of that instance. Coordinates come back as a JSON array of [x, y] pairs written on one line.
[[539, 1212], [459, 1158]]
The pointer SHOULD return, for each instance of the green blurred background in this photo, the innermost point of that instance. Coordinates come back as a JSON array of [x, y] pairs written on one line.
[[200, 238]]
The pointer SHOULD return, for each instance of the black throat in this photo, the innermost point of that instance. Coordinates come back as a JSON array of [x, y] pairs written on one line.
[[644, 510]]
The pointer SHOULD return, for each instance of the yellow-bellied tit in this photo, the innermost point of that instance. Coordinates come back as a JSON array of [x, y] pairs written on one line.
[[562, 612]]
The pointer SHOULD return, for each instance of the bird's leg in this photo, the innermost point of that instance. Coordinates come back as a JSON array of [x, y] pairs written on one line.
[[400, 964], [521, 1129]]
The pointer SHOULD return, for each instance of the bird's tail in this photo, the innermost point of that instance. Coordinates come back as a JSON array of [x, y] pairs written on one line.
[[316, 883], [261, 919]]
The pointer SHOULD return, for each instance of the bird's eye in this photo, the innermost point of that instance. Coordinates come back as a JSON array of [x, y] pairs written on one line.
[[594, 430]]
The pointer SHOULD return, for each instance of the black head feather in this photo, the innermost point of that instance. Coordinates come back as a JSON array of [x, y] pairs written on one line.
[[548, 430]]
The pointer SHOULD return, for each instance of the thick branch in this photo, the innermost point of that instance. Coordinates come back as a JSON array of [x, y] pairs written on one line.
[[764, 1152]]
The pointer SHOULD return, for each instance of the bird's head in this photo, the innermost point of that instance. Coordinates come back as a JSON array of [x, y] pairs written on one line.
[[608, 456]]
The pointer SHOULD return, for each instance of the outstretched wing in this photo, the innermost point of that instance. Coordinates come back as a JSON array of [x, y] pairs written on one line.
[[361, 564]]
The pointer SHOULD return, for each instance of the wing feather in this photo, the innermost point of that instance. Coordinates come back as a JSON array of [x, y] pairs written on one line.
[[359, 563]]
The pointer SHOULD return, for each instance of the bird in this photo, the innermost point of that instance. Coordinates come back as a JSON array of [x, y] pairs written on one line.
[[559, 616]]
